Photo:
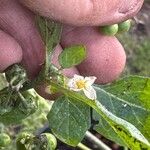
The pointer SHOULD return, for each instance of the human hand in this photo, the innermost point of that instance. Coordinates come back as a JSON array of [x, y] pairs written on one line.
[[21, 42]]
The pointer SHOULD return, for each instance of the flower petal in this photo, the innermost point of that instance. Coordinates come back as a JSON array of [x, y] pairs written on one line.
[[71, 83], [90, 93], [78, 77], [90, 80]]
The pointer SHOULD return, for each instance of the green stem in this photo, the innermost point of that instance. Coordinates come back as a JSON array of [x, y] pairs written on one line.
[[47, 59], [83, 147], [51, 42]]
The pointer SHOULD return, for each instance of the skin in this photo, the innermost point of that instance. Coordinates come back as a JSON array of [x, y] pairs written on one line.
[[105, 55], [86, 12], [10, 50], [17, 22]]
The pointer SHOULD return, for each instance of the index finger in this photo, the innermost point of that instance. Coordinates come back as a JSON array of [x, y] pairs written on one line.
[[86, 12]]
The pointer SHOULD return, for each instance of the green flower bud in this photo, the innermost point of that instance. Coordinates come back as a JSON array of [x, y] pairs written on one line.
[[24, 136], [16, 75], [4, 140], [23, 140], [51, 140], [109, 30], [124, 26]]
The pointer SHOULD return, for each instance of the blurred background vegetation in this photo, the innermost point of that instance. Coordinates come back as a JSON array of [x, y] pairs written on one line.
[[137, 43]]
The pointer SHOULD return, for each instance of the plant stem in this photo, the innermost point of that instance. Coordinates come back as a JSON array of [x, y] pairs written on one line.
[[125, 148], [93, 139], [83, 147]]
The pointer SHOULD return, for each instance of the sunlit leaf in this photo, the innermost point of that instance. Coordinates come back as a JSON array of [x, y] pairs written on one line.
[[104, 128], [72, 56], [129, 99], [50, 32], [69, 120]]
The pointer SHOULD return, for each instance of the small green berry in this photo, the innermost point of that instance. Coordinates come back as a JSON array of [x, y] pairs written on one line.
[[4, 140], [124, 26], [51, 139], [109, 30]]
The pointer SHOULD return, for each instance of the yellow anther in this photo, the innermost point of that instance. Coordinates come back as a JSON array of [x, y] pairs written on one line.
[[81, 84]]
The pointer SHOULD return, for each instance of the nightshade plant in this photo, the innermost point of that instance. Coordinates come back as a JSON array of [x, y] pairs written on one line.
[[122, 108]]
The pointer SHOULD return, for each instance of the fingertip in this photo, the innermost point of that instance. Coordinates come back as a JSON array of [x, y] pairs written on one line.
[[10, 51]]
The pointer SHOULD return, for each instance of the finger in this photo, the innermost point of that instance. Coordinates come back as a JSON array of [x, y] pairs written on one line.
[[10, 51], [105, 55], [86, 12], [19, 23], [41, 89]]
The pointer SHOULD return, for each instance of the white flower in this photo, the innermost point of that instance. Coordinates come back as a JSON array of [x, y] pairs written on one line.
[[79, 83]]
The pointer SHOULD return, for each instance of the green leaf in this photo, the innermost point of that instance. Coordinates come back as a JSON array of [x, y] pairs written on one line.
[[72, 56], [50, 31], [133, 89], [69, 120], [16, 75], [14, 107], [3, 82], [129, 134], [51, 34], [130, 100], [104, 128], [127, 111]]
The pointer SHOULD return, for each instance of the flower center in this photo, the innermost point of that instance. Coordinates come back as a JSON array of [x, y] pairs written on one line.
[[80, 84]]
